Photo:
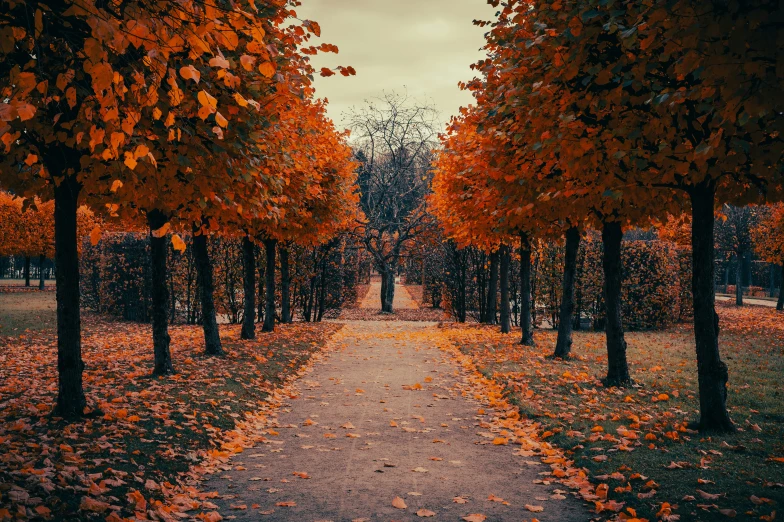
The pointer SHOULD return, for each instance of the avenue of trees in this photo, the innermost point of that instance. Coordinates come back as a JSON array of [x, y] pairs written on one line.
[[609, 115], [192, 121]]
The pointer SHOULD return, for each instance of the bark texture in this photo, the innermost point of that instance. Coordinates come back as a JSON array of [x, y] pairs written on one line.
[[711, 370], [41, 261], [70, 393], [617, 366], [270, 246], [780, 302], [525, 292], [161, 340], [212, 342], [506, 315], [739, 281], [27, 270], [563, 346], [249, 288], [387, 290]]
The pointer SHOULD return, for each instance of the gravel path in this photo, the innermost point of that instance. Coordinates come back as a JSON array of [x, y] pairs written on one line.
[[387, 416]]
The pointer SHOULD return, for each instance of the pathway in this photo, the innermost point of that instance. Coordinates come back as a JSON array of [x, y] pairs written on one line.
[[748, 301], [402, 300], [358, 435]]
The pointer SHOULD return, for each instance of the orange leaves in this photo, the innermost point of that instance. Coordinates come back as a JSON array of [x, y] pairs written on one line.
[[267, 69], [178, 244], [399, 503], [220, 120], [138, 500], [208, 104], [95, 236], [161, 232], [219, 61], [313, 27], [92, 505], [189, 72]]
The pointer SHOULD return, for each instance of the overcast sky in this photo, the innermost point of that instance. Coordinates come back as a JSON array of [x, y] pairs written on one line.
[[424, 47]]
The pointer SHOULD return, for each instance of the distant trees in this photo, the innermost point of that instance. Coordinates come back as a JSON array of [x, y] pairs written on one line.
[[734, 237], [768, 239], [393, 139]]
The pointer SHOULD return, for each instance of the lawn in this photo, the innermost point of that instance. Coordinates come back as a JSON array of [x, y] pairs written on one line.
[[148, 441], [24, 309], [634, 442]]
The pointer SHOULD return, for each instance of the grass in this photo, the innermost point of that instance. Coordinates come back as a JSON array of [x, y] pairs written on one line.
[[24, 310], [150, 435], [617, 433]]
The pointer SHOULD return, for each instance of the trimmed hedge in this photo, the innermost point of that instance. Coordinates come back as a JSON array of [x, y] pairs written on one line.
[[656, 282]]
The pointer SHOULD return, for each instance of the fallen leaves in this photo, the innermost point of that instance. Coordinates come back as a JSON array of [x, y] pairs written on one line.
[[169, 425], [399, 503]]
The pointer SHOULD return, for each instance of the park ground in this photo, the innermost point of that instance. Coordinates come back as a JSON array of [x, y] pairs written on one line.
[[360, 419]]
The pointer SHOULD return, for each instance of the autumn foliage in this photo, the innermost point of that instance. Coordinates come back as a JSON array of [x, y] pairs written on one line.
[[176, 118], [612, 115]]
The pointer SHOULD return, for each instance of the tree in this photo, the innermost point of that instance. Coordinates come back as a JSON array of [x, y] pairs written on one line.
[[684, 109], [768, 239], [733, 236], [393, 138], [106, 90]]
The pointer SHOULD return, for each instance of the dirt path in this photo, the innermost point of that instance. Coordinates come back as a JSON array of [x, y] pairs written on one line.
[[402, 300], [357, 436]]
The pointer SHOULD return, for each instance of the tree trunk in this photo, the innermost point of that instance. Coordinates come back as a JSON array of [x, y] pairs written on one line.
[[384, 282], [269, 291], [780, 302], [726, 277], [491, 308], [563, 345], [41, 273], [27, 271], [525, 291], [506, 323], [322, 290], [387, 290], [311, 300], [285, 287], [160, 296], [617, 367], [209, 321], [249, 289], [739, 280], [712, 372], [70, 393]]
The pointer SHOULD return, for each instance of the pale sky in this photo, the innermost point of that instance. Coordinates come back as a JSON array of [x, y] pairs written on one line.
[[423, 47]]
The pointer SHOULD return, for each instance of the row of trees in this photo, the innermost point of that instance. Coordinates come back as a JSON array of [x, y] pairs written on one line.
[[606, 115], [27, 230], [313, 282], [194, 118], [656, 279]]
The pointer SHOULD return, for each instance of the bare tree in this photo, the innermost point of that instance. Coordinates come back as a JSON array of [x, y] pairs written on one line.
[[394, 138]]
